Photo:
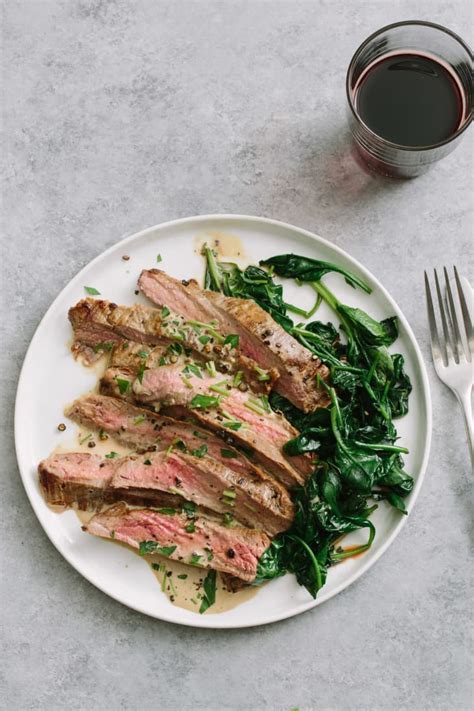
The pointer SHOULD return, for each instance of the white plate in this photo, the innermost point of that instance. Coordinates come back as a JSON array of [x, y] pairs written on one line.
[[50, 378]]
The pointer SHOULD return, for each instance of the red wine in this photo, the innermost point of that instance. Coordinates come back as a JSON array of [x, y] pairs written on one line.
[[410, 99]]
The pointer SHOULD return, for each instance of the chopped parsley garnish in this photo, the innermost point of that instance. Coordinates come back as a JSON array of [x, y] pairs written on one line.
[[138, 420], [265, 403], [189, 507], [167, 511], [143, 354], [85, 439], [190, 528], [179, 444], [232, 339], [200, 402], [220, 387], [186, 381], [158, 258], [162, 361], [112, 455], [165, 312], [154, 547], [209, 587], [204, 339], [200, 435], [200, 451], [211, 368], [234, 425], [183, 576], [112, 534], [104, 346], [209, 553], [195, 558], [237, 378], [194, 369], [229, 494], [262, 374], [147, 462], [92, 290], [141, 372], [123, 385], [259, 405], [228, 453], [228, 519]]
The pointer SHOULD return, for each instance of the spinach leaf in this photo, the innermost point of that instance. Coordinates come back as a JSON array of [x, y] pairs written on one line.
[[271, 564], [369, 331], [307, 269]]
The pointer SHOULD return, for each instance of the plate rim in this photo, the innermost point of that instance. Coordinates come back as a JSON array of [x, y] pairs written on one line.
[[211, 622]]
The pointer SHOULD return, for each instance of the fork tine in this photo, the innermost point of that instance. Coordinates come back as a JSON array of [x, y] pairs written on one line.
[[435, 345], [465, 312], [447, 351], [457, 342]]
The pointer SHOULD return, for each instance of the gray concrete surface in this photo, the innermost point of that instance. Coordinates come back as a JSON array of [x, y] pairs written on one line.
[[117, 116]]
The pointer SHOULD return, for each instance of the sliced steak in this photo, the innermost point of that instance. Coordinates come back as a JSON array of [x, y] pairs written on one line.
[[85, 480], [261, 338], [153, 477], [230, 550], [222, 407], [99, 326], [147, 431]]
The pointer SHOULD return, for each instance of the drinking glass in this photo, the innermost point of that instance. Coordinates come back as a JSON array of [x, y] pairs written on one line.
[[413, 37]]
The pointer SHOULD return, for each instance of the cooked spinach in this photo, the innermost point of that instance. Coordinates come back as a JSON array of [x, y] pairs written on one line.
[[307, 269], [354, 436], [251, 283]]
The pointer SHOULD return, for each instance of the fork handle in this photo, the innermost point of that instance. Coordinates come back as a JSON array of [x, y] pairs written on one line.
[[465, 402]]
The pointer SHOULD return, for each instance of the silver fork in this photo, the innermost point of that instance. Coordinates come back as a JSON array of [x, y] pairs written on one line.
[[453, 359]]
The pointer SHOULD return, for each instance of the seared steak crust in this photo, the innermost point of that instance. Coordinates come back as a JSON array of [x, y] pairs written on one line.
[[101, 325]]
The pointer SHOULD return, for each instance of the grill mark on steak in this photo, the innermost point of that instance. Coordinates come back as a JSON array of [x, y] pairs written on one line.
[[261, 338], [210, 541]]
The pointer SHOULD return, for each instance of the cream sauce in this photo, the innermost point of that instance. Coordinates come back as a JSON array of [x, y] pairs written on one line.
[[84, 436], [186, 593], [226, 245]]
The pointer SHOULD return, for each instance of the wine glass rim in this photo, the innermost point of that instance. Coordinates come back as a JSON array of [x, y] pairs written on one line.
[[425, 23]]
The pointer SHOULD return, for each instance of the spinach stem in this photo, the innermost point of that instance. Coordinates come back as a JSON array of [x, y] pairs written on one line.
[[302, 312], [350, 552], [334, 304], [382, 447], [213, 267]]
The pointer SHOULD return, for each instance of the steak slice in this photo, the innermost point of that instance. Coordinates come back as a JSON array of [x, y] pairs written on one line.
[[101, 325], [85, 480], [222, 407], [153, 477], [229, 550], [147, 431], [261, 338]]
